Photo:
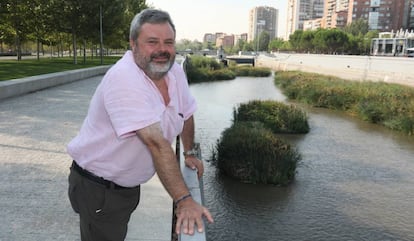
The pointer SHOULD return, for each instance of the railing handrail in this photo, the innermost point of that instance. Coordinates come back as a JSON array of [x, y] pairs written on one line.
[[195, 186]]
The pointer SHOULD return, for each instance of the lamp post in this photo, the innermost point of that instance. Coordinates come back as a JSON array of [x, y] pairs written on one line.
[[101, 35]]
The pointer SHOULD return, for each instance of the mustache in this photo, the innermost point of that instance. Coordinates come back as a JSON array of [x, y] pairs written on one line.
[[161, 54]]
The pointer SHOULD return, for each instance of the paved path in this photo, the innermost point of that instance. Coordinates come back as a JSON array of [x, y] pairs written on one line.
[[34, 131]]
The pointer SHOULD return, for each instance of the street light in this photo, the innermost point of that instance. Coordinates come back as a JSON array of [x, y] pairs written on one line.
[[101, 34]]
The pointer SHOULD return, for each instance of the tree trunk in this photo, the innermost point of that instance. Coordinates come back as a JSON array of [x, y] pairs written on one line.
[[84, 51], [38, 48], [75, 49], [18, 48]]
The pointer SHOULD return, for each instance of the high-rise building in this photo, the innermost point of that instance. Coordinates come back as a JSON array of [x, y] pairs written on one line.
[[301, 10], [263, 19], [410, 18], [384, 16], [335, 13]]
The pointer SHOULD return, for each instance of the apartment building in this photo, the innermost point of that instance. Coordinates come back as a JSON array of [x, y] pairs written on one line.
[[300, 11], [382, 15], [335, 13], [261, 19]]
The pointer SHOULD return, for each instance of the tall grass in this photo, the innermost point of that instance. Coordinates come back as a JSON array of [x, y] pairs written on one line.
[[391, 105], [251, 151], [204, 69], [277, 116]]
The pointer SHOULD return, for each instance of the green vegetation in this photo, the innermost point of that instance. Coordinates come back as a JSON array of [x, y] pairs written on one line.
[[355, 39], [204, 69], [277, 116], [250, 150], [391, 105], [12, 69], [28, 26], [201, 69]]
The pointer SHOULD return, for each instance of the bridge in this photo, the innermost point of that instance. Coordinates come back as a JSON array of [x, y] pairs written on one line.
[[35, 128], [241, 59], [37, 121]]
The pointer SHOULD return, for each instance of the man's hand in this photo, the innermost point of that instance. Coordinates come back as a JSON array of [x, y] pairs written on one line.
[[194, 163], [190, 214]]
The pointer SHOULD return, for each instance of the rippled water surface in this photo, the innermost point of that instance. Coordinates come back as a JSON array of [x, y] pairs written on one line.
[[355, 180]]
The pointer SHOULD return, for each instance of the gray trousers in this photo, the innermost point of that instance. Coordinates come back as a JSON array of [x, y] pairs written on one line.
[[104, 212]]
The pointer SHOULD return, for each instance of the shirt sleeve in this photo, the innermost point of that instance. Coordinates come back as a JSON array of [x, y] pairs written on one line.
[[129, 101]]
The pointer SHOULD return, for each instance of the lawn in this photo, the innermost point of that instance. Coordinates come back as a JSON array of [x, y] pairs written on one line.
[[13, 69]]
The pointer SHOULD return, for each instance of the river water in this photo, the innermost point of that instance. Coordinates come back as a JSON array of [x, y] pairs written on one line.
[[355, 180]]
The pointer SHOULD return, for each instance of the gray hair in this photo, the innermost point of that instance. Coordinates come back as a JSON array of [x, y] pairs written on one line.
[[148, 15]]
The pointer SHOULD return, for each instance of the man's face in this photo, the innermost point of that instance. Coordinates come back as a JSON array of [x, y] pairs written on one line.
[[154, 50]]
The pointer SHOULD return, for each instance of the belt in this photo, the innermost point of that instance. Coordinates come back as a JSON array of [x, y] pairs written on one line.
[[92, 177]]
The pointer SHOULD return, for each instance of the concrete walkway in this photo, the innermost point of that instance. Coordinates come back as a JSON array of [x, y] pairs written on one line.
[[34, 165]]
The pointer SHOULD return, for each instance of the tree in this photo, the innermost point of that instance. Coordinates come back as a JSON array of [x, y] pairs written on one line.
[[359, 26], [336, 40], [295, 40], [16, 19], [264, 40], [276, 44], [39, 9]]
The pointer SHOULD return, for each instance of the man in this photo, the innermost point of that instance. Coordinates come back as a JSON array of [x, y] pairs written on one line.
[[141, 105]]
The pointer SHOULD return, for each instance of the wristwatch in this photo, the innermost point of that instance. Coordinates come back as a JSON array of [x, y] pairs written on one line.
[[192, 152]]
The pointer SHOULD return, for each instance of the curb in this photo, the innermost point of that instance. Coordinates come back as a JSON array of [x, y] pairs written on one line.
[[16, 87]]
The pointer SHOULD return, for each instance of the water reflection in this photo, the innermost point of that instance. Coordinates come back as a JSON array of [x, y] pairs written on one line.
[[355, 180]]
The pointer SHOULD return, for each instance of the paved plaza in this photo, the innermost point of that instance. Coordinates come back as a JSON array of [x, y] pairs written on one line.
[[34, 165]]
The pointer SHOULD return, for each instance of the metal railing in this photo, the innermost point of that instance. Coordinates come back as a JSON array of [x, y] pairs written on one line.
[[195, 186]]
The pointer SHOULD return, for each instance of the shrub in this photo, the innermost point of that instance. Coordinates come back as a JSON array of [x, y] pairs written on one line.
[[391, 105], [277, 116], [203, 69], [251, 71], [251, 153]]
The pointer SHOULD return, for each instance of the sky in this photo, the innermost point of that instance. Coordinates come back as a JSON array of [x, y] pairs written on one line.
[[194, 18]]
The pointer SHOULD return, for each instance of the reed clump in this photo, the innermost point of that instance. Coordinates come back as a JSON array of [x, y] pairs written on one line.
[[387, 104], [204, 69], [252, 152]]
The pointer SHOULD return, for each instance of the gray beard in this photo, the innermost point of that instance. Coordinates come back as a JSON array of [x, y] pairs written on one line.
[[158, 71]]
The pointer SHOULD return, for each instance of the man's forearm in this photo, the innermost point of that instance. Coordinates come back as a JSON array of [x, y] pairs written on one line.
[[169, 172], [165, 161], [187, 135]]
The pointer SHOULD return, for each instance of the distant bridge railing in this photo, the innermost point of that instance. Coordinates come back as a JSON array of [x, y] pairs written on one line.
[[242, 59]]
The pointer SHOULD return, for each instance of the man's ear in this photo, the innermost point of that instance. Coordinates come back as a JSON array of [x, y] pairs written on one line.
[[132, 45]]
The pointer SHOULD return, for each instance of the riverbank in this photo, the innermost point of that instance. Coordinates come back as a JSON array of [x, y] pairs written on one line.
[[361, 68], [390, 105]]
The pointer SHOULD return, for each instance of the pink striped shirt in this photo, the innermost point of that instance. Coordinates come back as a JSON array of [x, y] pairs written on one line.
[[126, 100]]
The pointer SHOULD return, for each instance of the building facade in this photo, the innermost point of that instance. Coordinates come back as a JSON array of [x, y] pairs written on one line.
[[382, 15], [263, 19], [299, 11], [335, 13], [400, 43]]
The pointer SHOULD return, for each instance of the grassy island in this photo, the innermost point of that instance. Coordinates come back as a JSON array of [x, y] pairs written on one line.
[[250, 149]]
